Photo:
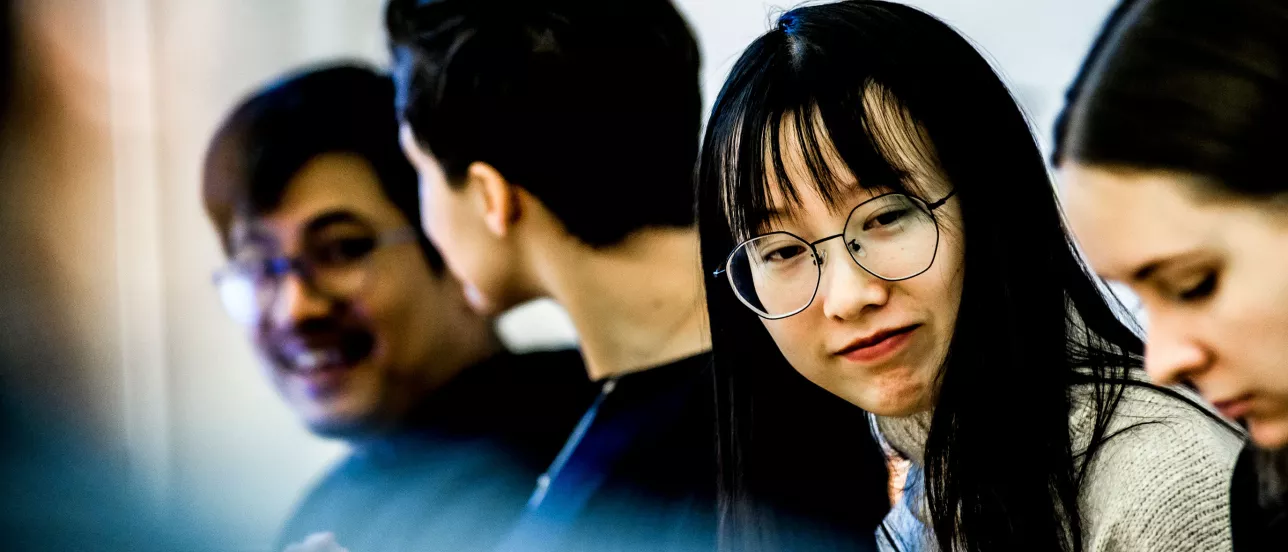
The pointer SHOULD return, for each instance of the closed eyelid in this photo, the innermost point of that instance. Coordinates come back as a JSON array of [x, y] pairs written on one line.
[[1185, 279], [1177, 279], [1181, 266]]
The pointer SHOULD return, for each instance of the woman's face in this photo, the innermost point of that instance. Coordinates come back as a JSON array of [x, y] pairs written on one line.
[[875, 343], [1212, 274]]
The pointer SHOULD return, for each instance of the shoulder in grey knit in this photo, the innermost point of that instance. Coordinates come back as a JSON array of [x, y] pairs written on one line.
[[1159, 483]]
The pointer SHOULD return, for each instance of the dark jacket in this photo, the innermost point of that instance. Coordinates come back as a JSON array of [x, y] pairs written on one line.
[[1259, 501], [641, 474], [457, 474]]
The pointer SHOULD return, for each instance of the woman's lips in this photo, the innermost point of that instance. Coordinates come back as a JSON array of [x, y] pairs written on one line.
[[1235, 408], [879, 346]]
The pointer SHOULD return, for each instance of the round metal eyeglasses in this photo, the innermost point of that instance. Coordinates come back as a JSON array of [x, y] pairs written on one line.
[[892, 236]]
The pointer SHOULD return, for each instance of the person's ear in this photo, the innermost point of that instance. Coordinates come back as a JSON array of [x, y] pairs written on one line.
[[499, 199]]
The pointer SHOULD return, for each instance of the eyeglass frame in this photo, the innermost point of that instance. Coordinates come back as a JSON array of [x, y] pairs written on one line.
[[813, 248], [281, 266]]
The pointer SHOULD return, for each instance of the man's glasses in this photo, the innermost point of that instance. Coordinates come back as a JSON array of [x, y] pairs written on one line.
[[893, 236], [334, 264]]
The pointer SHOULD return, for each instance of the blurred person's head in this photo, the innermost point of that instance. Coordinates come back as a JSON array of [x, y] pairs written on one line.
[[344, 298], [1172, 149], [46, 307], [539, 126], [66, 475], [882, 222]]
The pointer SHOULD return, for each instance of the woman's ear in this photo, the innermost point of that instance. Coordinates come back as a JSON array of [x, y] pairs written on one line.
[[498, 198]]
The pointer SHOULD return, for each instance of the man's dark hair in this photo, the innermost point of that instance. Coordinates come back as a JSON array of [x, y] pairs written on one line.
[[272, 134], [592, 106]]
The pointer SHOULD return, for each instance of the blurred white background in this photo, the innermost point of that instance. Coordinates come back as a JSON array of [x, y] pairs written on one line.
[[179, 382]]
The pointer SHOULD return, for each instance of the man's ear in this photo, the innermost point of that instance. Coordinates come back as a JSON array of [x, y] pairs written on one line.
[[499, 199]]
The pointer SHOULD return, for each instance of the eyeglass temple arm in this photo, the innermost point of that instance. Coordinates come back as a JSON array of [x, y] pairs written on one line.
[[942, 201], [720, 271]]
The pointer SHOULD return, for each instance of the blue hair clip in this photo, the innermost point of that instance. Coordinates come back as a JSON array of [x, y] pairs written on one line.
[[786, 23]]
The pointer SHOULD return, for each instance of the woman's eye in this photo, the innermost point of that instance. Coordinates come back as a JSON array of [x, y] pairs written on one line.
[[783, 253], [1199, 290], [888, 218]]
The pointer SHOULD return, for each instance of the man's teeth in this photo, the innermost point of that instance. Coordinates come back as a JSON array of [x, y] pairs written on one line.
[[308, 361]]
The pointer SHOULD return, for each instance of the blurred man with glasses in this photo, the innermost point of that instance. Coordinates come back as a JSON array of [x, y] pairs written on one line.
[[362, 331]]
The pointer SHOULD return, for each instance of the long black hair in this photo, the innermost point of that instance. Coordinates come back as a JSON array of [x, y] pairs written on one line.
[[1032, 321]]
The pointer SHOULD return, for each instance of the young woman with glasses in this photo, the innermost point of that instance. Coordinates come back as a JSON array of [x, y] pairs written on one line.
[[876, 215]]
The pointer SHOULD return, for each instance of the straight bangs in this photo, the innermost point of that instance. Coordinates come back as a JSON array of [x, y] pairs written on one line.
[[781, 131]]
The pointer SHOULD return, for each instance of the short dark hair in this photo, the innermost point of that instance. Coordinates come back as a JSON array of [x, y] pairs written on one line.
[[1186, 85], [592, 106], [272, 134]]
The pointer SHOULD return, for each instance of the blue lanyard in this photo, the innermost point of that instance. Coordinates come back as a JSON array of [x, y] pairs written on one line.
[[541, 528], [578, 434]]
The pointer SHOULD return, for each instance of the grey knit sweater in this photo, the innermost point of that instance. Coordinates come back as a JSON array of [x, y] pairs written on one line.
[[1157, 487]]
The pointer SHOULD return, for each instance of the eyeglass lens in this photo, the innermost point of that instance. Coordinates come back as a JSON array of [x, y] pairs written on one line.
[[893, 237]]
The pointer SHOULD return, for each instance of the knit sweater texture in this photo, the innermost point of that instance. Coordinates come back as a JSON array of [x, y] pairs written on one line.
[[1160, 486]]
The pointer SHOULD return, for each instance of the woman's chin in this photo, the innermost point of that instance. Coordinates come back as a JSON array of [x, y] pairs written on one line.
[[892, 405], [1269, 433], [892, 398]]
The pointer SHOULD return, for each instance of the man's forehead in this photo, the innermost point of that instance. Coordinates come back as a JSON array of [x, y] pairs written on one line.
[[334, 182], [285, 233]]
